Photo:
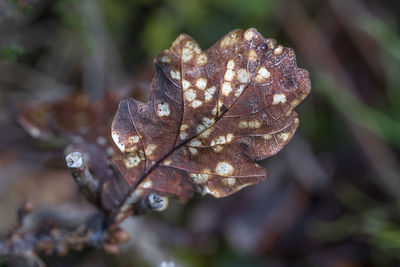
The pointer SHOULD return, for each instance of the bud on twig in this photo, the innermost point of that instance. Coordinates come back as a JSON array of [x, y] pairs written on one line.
[[83, 177], [153, 201]]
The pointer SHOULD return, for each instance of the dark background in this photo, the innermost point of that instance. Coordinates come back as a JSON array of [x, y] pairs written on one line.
[[332, 198]]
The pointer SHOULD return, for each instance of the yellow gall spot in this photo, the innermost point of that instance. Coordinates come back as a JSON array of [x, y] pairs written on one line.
[[150, 148], [226, 88], [249, 34], [187, 54], [167, 162], [243, 124], [243, 75], [190, 95], [255, 124], [201, 83], [284, 136], [224, 168], [163, 110], [278, 50], [296, 121], [229, 74], [230, 65], [253, 55], [279, 98], [202, 59], [262, 75], [175, 74], [229, 181], [185, 84], [196, 103]]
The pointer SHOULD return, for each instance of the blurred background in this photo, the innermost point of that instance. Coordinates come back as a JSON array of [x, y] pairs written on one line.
[[332, 198]]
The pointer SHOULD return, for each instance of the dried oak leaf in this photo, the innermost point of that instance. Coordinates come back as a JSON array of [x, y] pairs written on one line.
[[210, 116]]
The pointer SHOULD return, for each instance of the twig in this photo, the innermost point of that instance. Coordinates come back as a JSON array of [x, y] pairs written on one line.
[[85, 180]]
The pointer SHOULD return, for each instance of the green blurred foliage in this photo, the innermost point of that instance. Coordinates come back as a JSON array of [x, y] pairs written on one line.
[[11, 52]]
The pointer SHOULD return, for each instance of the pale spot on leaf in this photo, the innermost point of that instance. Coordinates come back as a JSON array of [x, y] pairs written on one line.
[[262, 75], [116, 140], [193, 151], [255, 124], [199, 178], [243, 75], [163, 110], [243, 124], [187, 54], [230, 65], [248, 35], [226, 88], [175, 74], [229, 181], [201, 83], [284, 136], [185, 85], [279, 98], [134, 139], [196, 103], [267, 136], [278, 50], [190, 95], [165, 59], [147, 184], [201, 59], [253, 55], [150, 148], [209, 93], [224, 168], [229, 74]]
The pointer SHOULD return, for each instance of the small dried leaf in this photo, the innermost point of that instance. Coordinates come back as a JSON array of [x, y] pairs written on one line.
[[210, 116]]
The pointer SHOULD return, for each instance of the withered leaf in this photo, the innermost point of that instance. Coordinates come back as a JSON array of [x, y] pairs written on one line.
[[210, 116]]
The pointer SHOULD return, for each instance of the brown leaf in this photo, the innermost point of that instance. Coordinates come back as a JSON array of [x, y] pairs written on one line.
[[210, 116]]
